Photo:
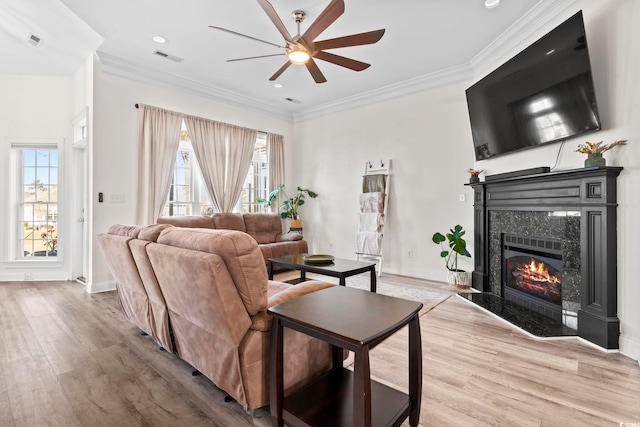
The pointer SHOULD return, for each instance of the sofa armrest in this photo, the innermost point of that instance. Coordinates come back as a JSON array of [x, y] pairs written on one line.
[[262, 321]]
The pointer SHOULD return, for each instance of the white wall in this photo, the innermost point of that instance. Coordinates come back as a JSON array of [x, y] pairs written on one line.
[[115, 146], [427, 137], [33, 107]]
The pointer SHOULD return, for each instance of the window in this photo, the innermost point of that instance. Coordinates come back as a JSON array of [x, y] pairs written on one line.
[[188, 194], [256, 186], [37, 201]]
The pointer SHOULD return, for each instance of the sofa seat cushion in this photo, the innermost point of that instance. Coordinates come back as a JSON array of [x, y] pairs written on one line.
[[228, 221], [263, 227]]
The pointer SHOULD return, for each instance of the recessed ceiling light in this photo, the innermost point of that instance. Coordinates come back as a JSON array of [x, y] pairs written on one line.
[[277, 86], [490, 4], [159, 39]]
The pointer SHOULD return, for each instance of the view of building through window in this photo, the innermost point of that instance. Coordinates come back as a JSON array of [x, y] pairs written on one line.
[[188, 194], [39, 202], [256, 185]]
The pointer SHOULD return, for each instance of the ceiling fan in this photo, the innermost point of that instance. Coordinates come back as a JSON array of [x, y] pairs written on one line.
[[302, 49]]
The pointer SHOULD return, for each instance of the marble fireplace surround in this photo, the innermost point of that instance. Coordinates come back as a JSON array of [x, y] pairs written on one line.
[[576, 206]]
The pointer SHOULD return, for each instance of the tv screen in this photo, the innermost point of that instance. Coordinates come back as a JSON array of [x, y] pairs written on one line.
[[542, 95]]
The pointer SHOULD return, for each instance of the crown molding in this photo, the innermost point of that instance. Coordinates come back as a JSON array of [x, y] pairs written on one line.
[[543, 13], [123, 68], [406, 87]]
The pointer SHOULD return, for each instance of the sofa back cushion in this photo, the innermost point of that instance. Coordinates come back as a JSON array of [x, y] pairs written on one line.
[[125, 230], [202, 221], [240, 254], [263, 227], [228, 221]]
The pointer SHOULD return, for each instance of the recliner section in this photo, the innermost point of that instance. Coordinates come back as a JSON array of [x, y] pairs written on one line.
[[203, 294]]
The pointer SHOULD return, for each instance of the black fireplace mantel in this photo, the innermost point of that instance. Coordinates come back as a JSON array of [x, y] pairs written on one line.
[[590, 191]]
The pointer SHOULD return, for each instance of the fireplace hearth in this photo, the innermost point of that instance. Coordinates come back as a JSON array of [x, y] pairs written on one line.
[[545, 245]]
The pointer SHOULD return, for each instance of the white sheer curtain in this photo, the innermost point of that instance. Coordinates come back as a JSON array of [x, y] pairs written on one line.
[[224, 153], [275, 160], [158, 141]]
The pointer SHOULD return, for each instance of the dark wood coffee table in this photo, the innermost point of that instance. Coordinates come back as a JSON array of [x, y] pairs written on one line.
[[340, 268], [355, 320]]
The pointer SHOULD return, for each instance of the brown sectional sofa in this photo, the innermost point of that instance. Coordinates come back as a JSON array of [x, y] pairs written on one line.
[[203, 294], [265, 228]]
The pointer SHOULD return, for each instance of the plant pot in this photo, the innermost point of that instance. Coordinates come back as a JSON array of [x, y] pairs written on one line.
[[474, 179], [296, 223], [595, 159], [459, 279]]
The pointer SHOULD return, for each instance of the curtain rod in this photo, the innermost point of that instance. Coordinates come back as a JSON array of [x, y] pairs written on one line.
[[138, 106]]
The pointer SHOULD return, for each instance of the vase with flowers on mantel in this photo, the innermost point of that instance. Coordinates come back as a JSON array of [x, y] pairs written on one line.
[[594, 151]]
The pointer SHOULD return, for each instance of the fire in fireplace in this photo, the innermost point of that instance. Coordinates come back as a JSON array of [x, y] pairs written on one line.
[[532, 273]]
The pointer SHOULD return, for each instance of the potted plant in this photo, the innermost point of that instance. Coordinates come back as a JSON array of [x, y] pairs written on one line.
[[474, 175], [457, 246], [594, 151], [289, 206]]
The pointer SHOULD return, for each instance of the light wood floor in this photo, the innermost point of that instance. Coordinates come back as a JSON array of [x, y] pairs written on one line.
[[71, 359]]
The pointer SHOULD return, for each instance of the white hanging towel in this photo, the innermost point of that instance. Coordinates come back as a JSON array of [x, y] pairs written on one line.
[[369, 242], [371, 222], [372, 202]]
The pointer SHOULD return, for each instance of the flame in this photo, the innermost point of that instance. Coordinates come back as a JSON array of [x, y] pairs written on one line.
[[534, 277], [538, 272]]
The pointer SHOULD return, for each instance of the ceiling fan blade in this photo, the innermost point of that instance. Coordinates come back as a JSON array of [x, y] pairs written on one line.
[[326, 18], [342, 61], [317, 75], [280, 71], [255, 57], [352, 40], [271, 13], [244, 35]]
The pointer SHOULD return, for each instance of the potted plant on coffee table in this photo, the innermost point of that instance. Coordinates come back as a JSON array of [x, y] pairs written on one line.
[[457, 246], [289, 206]]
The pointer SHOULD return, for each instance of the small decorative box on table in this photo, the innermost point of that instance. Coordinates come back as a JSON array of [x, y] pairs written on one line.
[[358, 321]]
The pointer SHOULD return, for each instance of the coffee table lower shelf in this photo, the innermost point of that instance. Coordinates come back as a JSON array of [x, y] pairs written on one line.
[[328, 401]]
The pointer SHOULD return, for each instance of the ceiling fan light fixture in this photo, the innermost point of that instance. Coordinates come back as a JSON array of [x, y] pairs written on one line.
[[490, 4], [298, 56]]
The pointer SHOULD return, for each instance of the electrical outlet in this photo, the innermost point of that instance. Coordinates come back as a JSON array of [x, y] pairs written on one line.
[[410, 253], [462, 197], [28, 276]]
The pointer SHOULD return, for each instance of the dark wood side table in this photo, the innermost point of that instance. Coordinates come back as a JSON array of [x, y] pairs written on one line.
[[355, 320], [340, 268]]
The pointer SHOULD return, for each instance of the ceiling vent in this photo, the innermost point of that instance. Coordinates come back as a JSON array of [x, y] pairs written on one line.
[[167, 56], [34, 40], [295, 101]]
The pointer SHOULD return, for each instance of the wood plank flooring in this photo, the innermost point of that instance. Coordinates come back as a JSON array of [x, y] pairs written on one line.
[[71, 359]]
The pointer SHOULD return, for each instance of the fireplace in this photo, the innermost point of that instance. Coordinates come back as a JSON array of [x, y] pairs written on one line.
[[573, 208], [532, 274]]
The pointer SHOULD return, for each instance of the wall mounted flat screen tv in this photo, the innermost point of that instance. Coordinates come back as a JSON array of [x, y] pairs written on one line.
[[542, 95]]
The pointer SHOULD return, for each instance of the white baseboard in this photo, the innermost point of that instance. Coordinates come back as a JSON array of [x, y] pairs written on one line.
[[35, 276], [95, 287], [630, 348]]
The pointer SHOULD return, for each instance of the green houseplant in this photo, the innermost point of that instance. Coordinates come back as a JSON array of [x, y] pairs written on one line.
[[289, 206], [457, 247]]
